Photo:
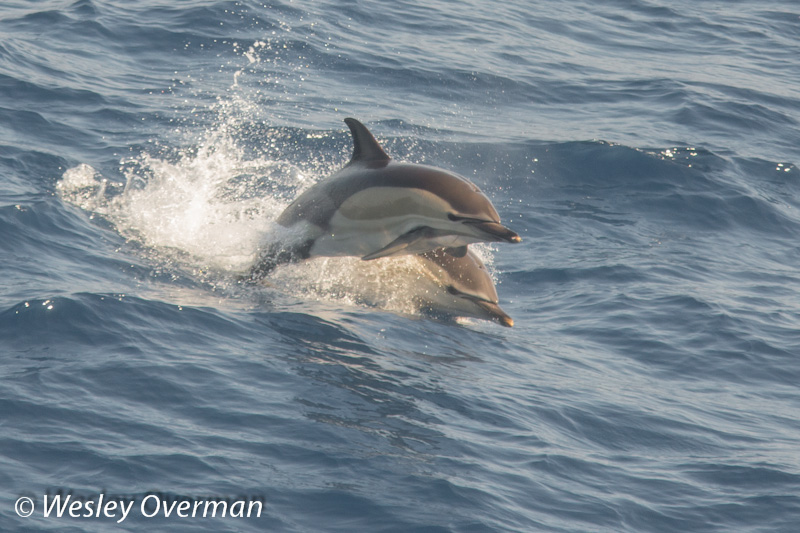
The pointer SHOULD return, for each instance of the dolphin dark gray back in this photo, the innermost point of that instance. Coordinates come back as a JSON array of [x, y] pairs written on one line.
[[318, 203]]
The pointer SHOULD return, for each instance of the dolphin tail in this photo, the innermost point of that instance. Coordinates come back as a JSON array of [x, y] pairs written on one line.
[[274, 256]]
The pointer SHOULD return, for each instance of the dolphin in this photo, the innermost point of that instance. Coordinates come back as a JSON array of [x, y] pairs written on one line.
[[375, 207], [463, 286]]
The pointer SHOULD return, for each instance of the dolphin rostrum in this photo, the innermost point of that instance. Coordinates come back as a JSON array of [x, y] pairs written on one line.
[[463, 286], [375, 207]]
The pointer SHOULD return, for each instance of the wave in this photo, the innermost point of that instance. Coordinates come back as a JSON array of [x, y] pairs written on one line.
[[206, 208]]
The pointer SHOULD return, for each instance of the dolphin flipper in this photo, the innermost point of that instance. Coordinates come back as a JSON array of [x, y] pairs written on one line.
[[399, 245], [460, 251]]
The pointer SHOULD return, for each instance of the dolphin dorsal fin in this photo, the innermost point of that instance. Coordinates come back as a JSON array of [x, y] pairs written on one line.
[[365, 148]]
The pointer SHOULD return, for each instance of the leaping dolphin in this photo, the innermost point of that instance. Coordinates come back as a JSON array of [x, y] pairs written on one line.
[[463, 286], [375, 207]]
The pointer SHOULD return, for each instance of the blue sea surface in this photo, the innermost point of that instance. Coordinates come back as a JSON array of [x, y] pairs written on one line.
[[645, 151]]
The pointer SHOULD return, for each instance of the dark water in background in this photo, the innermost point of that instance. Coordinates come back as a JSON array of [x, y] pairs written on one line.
[[644, 150]]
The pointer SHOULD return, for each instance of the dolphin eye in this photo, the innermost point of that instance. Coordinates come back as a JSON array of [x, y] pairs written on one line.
[[452, 290]]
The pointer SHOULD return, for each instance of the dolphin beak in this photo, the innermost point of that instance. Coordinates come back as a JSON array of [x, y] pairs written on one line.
[[495, 313], [506, 321], [498, 231]]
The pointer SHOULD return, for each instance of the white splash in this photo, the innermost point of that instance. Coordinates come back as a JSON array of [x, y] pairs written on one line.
[[203, 204]]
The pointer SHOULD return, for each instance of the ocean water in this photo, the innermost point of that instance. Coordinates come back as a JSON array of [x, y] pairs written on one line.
[[645, 151]]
